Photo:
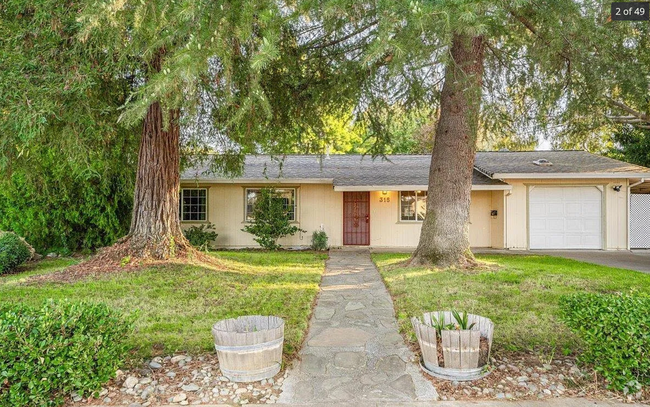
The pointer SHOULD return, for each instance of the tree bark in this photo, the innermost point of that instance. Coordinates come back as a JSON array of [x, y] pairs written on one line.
[[155, 226], [444, 239]]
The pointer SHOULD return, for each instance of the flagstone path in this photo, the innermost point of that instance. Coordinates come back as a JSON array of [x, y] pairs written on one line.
[[354, 351]]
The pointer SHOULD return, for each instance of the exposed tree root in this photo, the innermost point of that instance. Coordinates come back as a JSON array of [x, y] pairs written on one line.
[[461, 261], [123, 257]]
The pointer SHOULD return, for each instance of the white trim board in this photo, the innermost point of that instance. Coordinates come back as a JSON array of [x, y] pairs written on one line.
[[247, 181], [568, 175], [361, 188]]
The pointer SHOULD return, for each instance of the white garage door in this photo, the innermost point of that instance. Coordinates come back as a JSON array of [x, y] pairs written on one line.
[[565, 218]]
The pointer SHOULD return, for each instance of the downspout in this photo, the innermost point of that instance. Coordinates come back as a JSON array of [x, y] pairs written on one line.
[[505, 220], [629, 192]]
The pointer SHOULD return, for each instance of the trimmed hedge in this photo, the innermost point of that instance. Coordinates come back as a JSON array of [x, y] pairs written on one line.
[[615, 329], [14, 251], [63, 347]]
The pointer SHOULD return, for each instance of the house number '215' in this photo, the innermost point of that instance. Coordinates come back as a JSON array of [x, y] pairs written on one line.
[[384, 199]]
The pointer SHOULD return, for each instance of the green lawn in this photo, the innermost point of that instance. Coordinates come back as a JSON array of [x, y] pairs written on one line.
[[519, 293], [176, 305]]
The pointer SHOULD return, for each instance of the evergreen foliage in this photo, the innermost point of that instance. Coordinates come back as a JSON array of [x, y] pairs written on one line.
[[66, 165], [632, 145], [14, 251]]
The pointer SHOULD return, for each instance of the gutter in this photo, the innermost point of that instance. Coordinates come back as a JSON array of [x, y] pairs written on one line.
[[272, 181], [568, 175], [361, 188]]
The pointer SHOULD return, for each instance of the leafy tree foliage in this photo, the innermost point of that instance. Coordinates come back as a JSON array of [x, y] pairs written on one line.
[[66, 165], [632, 145], [62, 205], [270, 220]]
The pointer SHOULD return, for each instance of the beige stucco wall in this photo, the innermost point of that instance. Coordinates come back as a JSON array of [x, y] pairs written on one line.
[[319, 204], [386, 229], [614, 210]]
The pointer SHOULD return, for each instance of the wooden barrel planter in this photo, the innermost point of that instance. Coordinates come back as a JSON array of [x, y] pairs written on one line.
[[250, 347], [459, 355]]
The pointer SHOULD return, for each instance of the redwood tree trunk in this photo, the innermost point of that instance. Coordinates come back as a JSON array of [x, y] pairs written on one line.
[[444, 240], [155, 225]]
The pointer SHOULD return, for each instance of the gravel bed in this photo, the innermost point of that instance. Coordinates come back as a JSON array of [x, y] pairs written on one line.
[[525, 377], [182, 380]]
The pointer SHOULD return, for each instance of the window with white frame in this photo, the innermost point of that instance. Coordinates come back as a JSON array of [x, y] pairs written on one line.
[[412, 205], [194, 204], [288, 196]]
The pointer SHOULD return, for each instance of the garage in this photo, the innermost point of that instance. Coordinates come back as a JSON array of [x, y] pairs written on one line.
[[565, 217]]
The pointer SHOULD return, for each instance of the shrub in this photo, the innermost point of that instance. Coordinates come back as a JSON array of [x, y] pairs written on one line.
[[319, 240], [14, 251], [201, 236], [72, 204], [615, 329], [270, 220], [49, 352]]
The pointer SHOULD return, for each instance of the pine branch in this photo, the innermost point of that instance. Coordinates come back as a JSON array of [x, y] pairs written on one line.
[[345, 37], [635, 118]]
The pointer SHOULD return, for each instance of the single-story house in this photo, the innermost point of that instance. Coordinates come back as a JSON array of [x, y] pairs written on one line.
[[519, 200]]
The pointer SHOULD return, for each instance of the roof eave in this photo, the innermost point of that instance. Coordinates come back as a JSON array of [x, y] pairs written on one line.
[[572, 175], [258, 180], [362, 188]]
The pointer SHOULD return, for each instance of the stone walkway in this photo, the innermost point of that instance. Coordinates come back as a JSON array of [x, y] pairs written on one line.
[[354, 352]]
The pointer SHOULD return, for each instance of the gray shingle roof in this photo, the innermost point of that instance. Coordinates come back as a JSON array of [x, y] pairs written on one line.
[[357, 170], [575, 162], [342, 170]]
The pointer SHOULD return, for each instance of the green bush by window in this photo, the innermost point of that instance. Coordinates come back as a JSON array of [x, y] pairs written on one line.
[[201, 236], [270, 219], [49, 352], [615, 329], [13, 251], [319, 240]]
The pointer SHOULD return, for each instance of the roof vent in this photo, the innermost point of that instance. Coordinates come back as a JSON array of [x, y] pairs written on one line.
[[543, 162]]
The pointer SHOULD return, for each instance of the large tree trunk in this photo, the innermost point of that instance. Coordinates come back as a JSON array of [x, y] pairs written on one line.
[[155, 225], [444, 240]]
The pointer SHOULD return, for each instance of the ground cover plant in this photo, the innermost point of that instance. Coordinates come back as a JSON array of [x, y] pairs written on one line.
[[49, 351], [177, 304], [520, 294], [615, 329]]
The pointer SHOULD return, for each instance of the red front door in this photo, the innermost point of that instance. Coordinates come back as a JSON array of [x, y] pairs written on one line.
[[356, 218]]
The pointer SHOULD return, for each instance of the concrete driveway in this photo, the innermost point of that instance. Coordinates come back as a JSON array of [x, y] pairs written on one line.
[[638, 260]]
